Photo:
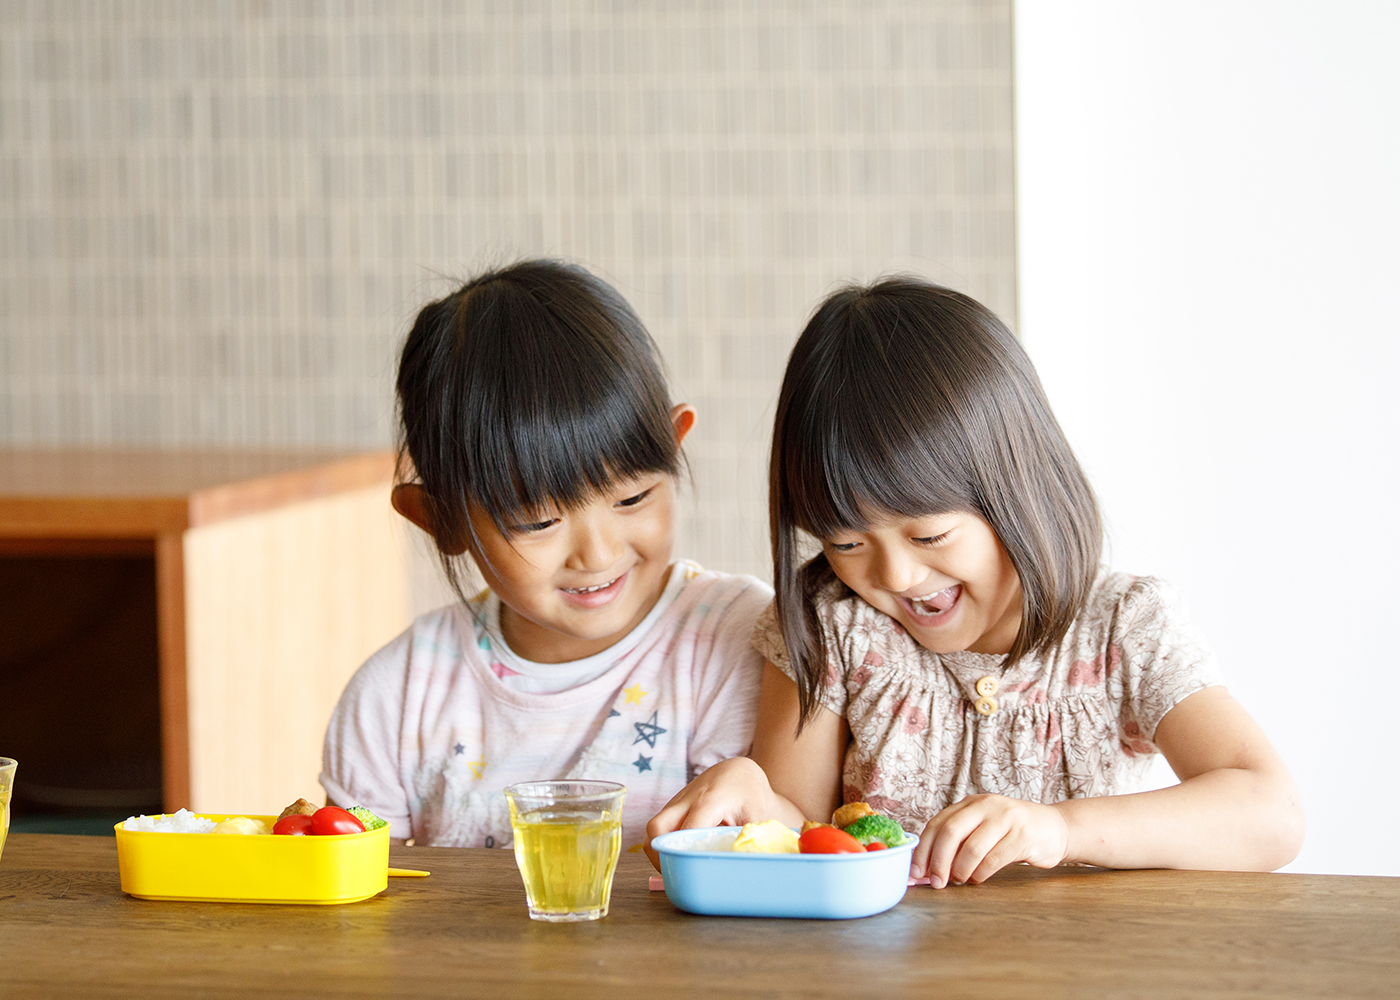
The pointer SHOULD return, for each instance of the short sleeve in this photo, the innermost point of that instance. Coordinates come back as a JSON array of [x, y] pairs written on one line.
[[768, 641], [728, 678], [1162, 657], [360, 756]]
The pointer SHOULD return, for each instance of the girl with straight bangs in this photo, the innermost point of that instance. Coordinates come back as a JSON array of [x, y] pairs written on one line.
[[539, 443], [955, 656]]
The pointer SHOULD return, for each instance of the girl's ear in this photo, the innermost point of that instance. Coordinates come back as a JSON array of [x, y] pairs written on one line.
[[682, 419], [410, 501]]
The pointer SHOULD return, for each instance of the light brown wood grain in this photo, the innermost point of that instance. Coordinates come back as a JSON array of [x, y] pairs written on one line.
[[115, 493], [281, 607], [464, 932], [174, 693]]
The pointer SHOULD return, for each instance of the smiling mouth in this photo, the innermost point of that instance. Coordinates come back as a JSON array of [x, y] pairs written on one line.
[[590, 590], [935, 604]]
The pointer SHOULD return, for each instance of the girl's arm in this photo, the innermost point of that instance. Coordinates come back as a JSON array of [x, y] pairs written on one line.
[[786, 776], [1235, 809], [803, 771]]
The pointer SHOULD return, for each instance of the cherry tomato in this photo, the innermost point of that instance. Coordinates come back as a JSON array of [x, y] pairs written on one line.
[[828, 840], [331, 820], [293, 826], [876, 845]]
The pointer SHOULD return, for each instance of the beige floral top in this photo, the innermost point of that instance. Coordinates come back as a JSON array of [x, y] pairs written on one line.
[[1073, 724]]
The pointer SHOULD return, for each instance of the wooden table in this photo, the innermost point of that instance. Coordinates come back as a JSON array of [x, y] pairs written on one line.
[[67, 930], [271, 576]]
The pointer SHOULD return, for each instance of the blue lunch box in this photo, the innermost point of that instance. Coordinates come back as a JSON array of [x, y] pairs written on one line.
[[704, 875]]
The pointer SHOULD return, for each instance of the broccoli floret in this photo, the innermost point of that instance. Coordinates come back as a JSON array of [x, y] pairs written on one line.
[[877, 827], [369, 819]]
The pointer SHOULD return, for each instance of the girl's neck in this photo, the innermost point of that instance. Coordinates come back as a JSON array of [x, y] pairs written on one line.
[[999, 639]]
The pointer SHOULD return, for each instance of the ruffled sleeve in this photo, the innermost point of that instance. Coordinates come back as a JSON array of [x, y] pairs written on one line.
[[1162, 658], [768, 640]]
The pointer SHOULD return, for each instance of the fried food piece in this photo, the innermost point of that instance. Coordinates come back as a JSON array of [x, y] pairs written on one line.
[[849, 813], [811, 824], [298, 808]]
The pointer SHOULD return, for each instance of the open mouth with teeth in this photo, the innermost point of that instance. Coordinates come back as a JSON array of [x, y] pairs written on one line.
[[933, 606], [589, 590], [596, 595]]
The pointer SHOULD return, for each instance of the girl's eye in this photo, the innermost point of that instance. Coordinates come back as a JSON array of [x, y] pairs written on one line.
[[526, 529], [842, 546], [633, 501], [932, 539]]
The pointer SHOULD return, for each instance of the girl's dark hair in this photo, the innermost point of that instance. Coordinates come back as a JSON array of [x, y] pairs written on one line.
[[531, 385], [905, 399]]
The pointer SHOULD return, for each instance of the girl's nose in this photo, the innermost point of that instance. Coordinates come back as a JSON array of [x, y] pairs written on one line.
[[595, 547], [894, 571]]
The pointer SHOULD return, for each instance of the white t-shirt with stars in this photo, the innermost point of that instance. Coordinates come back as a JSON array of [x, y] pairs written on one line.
[[434, 725]]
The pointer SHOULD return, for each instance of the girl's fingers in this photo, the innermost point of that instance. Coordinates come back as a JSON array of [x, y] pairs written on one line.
[[979, 836], [985, 858], [918, 861], [711, 811], [671, 817], [978, 843], [947, 841]]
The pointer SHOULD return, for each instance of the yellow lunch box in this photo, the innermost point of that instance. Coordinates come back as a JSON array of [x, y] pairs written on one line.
[[226, 868]]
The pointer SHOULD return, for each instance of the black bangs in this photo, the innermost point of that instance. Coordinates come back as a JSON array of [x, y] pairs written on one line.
[[531, 388], [887, 440]]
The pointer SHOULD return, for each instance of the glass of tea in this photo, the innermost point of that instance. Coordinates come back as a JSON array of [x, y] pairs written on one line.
[[7, 786], [567, 837]]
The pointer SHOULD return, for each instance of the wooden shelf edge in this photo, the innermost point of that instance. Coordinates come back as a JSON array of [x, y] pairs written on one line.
[[252, 496], [174, 690], [92, 517], [105, 508]]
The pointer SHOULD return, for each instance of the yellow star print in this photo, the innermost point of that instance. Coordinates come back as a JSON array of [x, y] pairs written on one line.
[[477, 766], [634, 694]]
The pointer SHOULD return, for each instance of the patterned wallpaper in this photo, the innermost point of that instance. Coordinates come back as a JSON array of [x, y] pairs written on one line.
[[217, 220]]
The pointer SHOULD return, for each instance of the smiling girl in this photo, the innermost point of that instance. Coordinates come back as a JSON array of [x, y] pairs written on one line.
[[955, 655], [539, 441]]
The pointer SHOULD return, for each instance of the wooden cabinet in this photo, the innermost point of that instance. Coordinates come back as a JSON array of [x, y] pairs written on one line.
[[275, 576]]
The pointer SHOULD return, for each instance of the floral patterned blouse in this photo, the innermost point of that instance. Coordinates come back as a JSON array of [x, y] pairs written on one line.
[[929, 729]]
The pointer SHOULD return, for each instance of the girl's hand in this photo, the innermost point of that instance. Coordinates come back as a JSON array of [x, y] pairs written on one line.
[[972, 840], [731, 793]]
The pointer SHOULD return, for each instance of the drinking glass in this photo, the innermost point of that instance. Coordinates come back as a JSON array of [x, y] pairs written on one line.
[[7, 785], [567, 837]]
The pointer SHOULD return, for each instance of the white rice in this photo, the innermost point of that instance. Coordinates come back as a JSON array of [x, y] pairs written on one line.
[[182, 821]]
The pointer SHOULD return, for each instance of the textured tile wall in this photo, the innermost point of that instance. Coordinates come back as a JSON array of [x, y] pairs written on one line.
[[218, 219]]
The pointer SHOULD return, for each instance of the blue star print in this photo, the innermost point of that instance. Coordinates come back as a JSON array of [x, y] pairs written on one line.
[[613, 712], [458, 749], [648, 731], [642, 763]]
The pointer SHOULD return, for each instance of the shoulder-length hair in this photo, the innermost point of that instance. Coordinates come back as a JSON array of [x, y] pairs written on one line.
[[905, 399], [529, 386]]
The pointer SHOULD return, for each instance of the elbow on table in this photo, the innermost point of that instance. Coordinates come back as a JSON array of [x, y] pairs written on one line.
[[1281, 837]]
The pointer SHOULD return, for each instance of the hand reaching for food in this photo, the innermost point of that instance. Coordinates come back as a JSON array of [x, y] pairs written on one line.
[[731, 793]]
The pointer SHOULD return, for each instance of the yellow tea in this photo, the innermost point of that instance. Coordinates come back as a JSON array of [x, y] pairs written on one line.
[[567, 863], [7, 779]]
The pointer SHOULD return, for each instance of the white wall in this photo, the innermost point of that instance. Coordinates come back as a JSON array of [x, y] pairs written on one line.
[[1209, 226]]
